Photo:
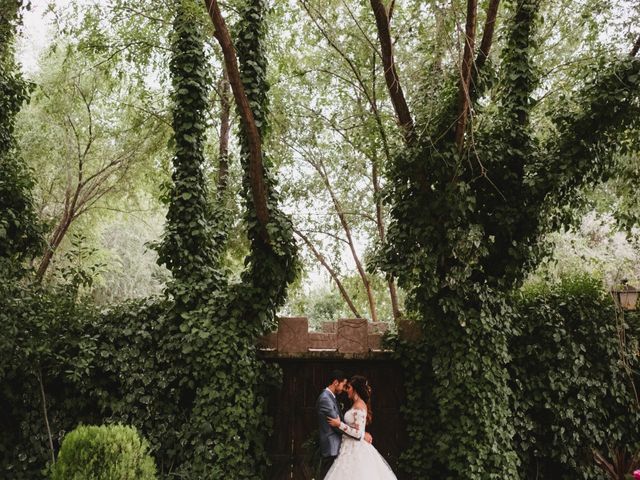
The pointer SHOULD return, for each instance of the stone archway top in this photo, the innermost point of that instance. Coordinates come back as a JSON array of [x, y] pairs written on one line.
[[345, 336]]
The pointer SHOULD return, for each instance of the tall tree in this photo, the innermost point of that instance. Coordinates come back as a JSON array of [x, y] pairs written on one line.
[[219, 321], [99, 128], [485, 199]]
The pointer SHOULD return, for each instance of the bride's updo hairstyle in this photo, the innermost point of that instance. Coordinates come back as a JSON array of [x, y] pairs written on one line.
[[361, 385]]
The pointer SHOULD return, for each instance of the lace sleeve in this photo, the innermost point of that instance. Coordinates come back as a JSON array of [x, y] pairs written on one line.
[[357, 429]]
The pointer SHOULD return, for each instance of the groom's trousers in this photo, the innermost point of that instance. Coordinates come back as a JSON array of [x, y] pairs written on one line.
[[325, 466]]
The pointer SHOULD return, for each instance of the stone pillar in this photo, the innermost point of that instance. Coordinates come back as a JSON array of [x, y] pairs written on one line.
[[352, 335], [293, 334]]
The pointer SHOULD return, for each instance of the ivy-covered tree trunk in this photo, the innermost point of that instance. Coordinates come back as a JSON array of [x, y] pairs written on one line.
[[485, 195], [218, 322], [192, 240], [20, 232]]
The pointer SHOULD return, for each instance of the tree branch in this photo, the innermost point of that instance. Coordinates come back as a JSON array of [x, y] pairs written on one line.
[[465, 72], [487, 37], [352, 66], [225, 129], [390, 73], [347, 230], [331, 272], [636, 47], [46, 416], [364, 34], [256, 169]]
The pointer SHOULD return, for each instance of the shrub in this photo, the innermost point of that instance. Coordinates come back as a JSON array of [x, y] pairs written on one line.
[[572, 394], [573, 381], [114, 452]]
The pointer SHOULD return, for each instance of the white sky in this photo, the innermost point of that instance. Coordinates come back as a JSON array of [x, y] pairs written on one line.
[[36, 32]]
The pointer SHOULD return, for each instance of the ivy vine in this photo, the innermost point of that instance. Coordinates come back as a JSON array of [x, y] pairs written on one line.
[[20, 230], [221, 321], [466, 228]]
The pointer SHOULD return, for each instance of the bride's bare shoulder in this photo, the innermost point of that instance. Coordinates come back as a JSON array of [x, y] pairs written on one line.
[[360, 405]]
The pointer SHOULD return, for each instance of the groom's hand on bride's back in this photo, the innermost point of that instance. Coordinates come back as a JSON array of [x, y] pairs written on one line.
[[367, 437], [334, 422]]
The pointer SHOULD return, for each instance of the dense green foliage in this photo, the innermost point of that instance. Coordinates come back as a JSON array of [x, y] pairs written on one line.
[[571, 381], [571, 374], [111, 452], [191, 242], [44, 340], [221, 321], [502, 384], [483, 210], [20, 232], [126, 366], [183, 370]]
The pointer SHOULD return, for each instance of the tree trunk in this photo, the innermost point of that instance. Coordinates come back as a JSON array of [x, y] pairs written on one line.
[[390, 73], [377, 195], [636, 48], [465, 72], [256, 169], [487, 36], [225, 129], [53, 244]]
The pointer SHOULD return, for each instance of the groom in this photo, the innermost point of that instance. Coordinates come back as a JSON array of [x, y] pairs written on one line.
[[327, 406]]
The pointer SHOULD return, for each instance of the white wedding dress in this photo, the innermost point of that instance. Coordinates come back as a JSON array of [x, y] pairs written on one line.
[[357, 459]]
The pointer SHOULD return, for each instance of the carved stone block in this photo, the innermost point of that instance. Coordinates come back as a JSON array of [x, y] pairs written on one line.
[[352, 335], [293, 334], [323, 341]]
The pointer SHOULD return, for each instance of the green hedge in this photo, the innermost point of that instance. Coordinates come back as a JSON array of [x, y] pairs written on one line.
[[114, 452], [132, 365], [128, 365], [571, 392]]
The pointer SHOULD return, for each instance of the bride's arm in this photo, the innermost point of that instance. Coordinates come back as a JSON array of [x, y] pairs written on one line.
[[357, 430]]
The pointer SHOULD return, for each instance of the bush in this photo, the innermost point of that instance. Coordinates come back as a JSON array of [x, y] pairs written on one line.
[[572, 379], [571, 393], [114, 452]]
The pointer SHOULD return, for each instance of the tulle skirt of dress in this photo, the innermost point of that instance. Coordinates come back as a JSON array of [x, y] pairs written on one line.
[[359, 460]]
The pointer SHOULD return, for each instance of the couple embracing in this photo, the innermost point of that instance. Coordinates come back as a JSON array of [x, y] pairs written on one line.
[[345, 446]]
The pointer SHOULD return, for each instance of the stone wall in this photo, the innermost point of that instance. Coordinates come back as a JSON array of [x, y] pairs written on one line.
[[348, 335]]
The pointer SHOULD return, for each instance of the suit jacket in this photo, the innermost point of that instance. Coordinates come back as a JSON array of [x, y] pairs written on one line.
[[330, 438]]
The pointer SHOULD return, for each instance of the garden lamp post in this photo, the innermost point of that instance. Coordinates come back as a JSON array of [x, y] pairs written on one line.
[[625, 296]]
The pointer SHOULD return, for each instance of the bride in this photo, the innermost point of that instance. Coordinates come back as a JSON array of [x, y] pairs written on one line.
[[357, 460]]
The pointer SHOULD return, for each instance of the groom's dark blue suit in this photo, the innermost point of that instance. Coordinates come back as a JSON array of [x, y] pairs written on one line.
[[330, 438]]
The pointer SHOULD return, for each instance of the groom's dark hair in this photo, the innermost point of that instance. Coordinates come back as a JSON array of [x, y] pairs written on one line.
[[336, 375]]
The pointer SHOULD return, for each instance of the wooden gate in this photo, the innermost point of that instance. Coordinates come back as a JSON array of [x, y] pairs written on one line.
[[293, 407]]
